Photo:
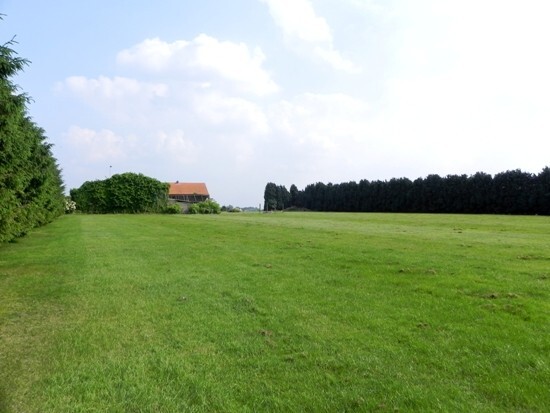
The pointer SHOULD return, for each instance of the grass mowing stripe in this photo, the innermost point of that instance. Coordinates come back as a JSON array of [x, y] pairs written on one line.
[[280, 312], [35, 275]]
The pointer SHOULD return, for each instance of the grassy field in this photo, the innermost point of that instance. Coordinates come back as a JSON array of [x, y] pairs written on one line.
[[288, 312]]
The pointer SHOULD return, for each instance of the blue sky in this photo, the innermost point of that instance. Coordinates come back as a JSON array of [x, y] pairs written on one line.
[[240, 93]]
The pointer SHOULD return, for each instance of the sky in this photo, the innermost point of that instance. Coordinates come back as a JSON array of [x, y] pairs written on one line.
[[240, 93]]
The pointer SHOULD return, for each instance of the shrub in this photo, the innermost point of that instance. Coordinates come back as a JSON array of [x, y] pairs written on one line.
[[126, 193], [206, 207], [172, 209], [231, 208], [70, 205]]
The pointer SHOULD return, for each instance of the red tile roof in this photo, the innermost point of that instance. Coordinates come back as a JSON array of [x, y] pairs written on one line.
[[188, 188]]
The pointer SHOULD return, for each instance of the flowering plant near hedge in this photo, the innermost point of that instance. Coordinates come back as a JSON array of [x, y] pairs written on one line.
[[70, 205]]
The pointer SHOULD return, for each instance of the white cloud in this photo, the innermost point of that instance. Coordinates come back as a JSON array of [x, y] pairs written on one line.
[[298, 20], [120, 98], [468, 88], [324, 120], [231, 113], [96, 146], [322, 137], [153, 54], [335, 59], [206, 59], [301, 25], [158, 147], [174, 145], [113, 88], [370, 6]]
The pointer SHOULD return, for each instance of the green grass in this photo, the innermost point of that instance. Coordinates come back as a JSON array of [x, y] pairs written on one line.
[[292, 312]]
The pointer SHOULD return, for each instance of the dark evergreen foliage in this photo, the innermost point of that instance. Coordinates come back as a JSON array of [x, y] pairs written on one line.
[[127, 193], [277, 197], [510, 192], [31, 188], [270, 197]]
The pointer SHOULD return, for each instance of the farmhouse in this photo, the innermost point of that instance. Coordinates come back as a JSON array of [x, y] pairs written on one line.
[[188, 192]]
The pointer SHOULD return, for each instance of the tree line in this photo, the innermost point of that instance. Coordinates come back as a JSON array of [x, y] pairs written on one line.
[[510, 192], [31, 188]]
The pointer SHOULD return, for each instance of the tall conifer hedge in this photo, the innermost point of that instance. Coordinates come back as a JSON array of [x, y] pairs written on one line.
[[31, 189]]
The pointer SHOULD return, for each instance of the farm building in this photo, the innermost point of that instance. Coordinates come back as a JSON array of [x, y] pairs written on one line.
[[188, 192]]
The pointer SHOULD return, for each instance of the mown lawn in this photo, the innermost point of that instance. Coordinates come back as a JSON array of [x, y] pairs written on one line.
[[288, 312]]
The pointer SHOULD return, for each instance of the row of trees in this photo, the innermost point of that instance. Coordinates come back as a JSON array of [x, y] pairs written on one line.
[[510, 192], [128, 193], [276, 197], [31, 188]]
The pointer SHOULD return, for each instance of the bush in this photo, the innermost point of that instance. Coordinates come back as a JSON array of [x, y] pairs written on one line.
[[231, 208], [70, 205], [172, 209], [126, 193], [206, 207]]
